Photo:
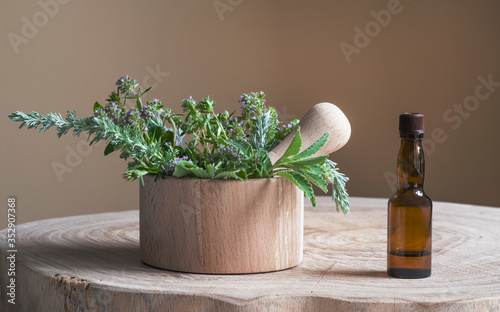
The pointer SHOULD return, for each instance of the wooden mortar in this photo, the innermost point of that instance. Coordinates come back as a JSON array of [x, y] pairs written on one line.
[[221, 226]]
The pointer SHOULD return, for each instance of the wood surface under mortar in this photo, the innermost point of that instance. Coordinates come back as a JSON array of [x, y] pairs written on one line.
[[92, 263]]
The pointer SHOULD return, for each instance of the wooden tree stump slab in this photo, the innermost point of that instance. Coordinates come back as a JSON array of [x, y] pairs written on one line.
[[92, 263]]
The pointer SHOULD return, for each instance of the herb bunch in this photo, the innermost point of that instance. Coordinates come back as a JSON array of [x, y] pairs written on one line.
[[199, 143]]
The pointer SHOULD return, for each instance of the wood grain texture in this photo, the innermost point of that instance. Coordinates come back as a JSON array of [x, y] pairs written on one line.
[[221, 226], [92, 263], [320, 119]]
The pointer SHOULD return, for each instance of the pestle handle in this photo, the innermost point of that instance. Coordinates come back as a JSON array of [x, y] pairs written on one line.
[[320, 119]]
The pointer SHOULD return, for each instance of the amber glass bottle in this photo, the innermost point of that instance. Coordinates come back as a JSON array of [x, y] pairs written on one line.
[[409, 220]]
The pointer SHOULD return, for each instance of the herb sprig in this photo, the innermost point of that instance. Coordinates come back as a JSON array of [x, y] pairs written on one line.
[[199, 143]]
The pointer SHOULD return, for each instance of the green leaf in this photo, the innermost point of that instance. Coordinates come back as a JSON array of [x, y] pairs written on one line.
[[210, 169], [135, 174], [259, 171], [311, 150], [154, 134], [242, 146], [316, 169], [303, 184], [339, 192], [316, 180], [294, 146], [242, 175], [261, 127], [168, 136], [317, 160], [185, 169], [97, 105], [110, 148]]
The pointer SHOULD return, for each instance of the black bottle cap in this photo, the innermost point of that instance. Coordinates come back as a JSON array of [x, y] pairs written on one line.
[[411, 123]]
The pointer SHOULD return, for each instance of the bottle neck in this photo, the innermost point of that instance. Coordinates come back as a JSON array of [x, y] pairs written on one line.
[[411, 165]]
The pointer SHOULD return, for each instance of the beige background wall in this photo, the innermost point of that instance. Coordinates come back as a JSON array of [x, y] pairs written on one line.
[[427, 58]]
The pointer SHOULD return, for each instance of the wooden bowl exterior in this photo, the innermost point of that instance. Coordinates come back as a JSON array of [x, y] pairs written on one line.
[[221, 226]]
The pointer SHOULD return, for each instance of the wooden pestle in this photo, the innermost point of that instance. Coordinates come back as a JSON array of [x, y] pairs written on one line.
[[320, 119]]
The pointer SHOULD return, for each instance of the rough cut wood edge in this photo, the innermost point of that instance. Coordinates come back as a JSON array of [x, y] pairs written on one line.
[[92, 263], [221, 226], [320, 119]]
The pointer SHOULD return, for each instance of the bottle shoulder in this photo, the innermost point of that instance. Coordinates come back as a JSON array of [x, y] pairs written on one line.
[[415, 198]]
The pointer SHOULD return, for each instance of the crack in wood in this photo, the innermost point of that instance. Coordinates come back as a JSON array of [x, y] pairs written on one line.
[[322, 276]]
